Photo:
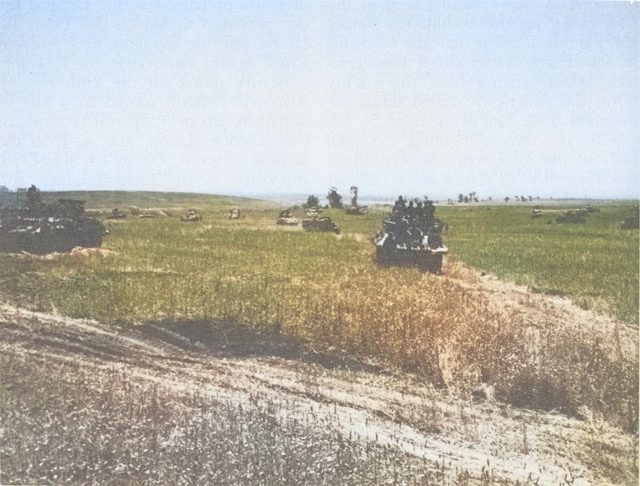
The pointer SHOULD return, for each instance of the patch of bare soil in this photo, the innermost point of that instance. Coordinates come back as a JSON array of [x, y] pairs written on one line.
[[538, 310], [77, 252], [482, 441]]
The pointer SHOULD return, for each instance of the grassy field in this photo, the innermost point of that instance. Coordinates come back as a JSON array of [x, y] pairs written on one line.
[[596, 263], [326, 292]]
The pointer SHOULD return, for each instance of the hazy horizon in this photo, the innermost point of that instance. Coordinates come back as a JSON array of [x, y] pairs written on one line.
[[239, 97], [300, 198]]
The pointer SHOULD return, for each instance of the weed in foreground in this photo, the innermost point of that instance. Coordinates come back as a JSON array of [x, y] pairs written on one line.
[[107, 428]]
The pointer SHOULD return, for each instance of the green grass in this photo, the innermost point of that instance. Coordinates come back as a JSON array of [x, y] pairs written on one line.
[[148, 199], [327, 292], [595, 263]]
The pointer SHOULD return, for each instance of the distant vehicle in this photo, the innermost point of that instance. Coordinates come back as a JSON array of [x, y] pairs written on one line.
[[234, 214], [191, 215], [573, 216], [356, 210], [411, 235], [630, 222], [286, 219], [116, 214], [322, 223], [536, 213]]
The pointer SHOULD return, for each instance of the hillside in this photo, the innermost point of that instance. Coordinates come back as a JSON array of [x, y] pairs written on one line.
[[83, 402]]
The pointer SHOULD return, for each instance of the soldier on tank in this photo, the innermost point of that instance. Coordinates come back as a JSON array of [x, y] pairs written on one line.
[[400, 207], [411, 211], [429, 210]]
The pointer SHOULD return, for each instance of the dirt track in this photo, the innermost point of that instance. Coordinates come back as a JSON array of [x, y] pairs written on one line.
[[361, 401]]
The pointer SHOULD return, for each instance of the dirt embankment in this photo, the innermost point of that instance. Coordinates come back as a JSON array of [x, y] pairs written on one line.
[[538, 310], [361, 402]]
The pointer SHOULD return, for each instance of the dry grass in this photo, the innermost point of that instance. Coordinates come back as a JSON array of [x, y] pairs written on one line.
[[84, 403], [108, 428]]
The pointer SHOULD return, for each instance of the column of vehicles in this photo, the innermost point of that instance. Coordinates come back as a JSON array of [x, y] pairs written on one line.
[[411, 234], [313, 220]]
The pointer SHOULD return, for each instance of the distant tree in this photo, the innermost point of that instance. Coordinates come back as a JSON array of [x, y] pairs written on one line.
[[523, 199], [460, 198], [530, 198], [33, 196], [312, 202], [506, 199], [466, 199], [335, 199]]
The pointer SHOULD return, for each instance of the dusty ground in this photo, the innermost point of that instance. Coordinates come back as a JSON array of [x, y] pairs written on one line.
[[360, 400]]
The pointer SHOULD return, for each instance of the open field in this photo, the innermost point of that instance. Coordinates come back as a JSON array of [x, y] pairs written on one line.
[[595, 263], [281, 302]]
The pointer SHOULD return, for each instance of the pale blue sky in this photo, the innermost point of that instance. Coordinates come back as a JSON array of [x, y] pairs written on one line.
[[255, 97]]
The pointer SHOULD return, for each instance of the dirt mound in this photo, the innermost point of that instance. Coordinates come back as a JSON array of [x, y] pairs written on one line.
[[539, 310], [78, 252]]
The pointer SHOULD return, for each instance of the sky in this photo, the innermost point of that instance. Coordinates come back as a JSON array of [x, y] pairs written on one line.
[[254, 97]]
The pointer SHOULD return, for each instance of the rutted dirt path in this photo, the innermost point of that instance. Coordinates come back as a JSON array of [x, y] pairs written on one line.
[[393, 410], [539, 309]]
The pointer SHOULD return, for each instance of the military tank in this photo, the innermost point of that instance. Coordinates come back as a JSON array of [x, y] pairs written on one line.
[[572, 216], [191, 216], [320, 223], [116, 214], [285, 218], [631, 222], [43, 228], [411, 236]]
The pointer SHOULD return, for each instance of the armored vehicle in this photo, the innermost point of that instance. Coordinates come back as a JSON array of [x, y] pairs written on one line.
[[43, 228], [286, 219], [356, 210], [631, 222], [411, 235], [234, 214], [572, 216], [322, 223], [191, 215], [116, 214]]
